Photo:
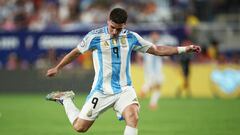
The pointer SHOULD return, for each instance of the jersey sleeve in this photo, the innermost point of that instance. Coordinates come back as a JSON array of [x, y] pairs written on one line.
[[141, 44], [87, 43]]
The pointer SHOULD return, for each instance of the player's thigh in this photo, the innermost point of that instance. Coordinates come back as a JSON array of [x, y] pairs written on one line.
[[96, 104], [126, 99]]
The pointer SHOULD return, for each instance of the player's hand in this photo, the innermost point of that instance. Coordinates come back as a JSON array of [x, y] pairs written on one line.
[[52, 72], [193, 48]]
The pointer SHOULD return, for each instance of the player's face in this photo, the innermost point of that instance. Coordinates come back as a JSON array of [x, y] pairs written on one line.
[[114, 29]]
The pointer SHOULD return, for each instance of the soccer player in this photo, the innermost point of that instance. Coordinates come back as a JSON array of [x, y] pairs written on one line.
[[152, 65], [185, 62], [111, 48]]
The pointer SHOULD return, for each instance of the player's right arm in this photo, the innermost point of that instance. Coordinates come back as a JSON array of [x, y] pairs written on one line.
[[66, 60], [89, 42]]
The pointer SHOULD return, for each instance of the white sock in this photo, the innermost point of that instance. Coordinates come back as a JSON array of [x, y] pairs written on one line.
[[154, 97], [130, 131], [71, 110]]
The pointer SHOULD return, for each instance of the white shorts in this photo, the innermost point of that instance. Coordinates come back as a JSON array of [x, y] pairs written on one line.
[[99, 103], [153, 79]]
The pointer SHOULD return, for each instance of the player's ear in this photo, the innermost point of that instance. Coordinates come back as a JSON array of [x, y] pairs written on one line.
[[108, 21], [125, 25]]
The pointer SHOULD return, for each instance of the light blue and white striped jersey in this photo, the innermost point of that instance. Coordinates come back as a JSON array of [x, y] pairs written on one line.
[[111, 58]]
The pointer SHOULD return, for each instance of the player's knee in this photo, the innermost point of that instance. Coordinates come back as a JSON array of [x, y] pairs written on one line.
[[80, 129], [132, 118]]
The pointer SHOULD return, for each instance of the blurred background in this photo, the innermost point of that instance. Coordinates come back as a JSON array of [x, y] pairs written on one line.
[[199, 94], [36, 34]]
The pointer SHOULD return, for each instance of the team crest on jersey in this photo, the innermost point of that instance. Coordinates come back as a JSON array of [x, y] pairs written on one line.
[[123, 41], [114, 41]]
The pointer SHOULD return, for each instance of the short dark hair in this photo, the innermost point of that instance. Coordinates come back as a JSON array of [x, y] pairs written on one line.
[[118, 15]]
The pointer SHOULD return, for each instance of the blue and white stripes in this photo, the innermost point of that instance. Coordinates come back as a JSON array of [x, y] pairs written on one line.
[[111, 58]]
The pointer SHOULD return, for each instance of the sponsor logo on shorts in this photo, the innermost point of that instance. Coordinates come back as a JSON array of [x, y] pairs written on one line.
[[135, 100], [89, 114]]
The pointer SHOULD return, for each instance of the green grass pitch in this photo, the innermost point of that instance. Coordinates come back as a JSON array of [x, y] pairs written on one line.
[[32, 115]]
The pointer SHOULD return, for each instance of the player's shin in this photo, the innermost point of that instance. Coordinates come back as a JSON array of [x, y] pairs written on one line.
[[71, 110]]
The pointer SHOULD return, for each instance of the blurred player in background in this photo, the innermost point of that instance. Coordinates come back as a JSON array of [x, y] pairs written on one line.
[[152, 65], [111, 47], [153, 75], [213, 50], [185, 61]]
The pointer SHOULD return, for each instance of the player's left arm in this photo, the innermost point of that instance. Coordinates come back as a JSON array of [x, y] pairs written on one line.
[[171, 50]]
